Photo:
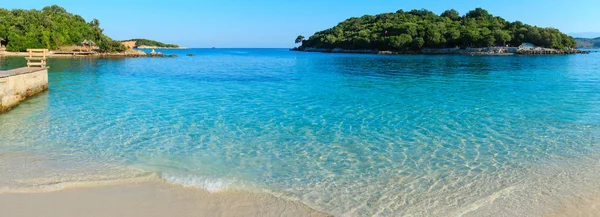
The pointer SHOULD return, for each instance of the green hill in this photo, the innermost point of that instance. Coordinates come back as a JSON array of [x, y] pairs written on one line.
[[588, 42], [418, 29], [51, 28], [151, 43]]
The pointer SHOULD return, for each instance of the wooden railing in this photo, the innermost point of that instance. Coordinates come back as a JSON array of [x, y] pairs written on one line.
[[37, 57]]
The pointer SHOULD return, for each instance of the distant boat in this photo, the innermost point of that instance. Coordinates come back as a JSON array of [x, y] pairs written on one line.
[[214, 47]]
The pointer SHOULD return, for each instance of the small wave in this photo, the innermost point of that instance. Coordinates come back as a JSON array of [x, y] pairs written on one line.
[[212, 185], [218, 185]]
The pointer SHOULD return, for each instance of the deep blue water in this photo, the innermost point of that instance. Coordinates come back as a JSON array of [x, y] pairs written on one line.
[[343, 133]]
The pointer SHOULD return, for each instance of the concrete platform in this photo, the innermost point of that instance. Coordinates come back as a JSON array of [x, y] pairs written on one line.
[[18, 84]]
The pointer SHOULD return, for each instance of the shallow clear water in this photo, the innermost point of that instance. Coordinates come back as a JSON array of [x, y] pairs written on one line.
[[346, 134]]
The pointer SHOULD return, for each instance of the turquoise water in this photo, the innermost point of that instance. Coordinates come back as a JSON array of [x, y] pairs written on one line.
[[355, 135]]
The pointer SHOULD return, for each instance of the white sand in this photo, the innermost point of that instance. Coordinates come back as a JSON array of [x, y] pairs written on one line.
[[153, 198], [588, 205]]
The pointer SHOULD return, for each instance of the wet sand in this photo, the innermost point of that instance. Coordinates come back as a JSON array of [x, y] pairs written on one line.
[[153, 198]]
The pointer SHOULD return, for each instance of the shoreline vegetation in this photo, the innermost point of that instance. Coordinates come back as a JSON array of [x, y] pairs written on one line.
[[64, 34], [423, 32]]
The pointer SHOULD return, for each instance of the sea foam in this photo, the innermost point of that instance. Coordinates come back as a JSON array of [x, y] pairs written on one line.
[[212, 185]]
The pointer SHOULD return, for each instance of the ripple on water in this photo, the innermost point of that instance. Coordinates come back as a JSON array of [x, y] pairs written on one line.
[[356, 135]]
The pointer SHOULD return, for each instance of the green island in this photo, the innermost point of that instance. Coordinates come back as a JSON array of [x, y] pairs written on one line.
[[589, 43], [422, 31], [56, 29]]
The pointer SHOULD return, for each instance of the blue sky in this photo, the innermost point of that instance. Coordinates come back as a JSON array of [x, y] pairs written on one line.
[[276, 23]]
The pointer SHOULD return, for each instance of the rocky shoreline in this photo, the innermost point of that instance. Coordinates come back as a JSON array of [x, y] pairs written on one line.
[[498, 51]]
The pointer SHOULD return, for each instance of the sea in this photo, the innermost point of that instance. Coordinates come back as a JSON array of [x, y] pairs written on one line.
[[345, 134]]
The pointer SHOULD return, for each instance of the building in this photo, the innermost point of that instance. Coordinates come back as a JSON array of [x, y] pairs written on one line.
[[89, 45], [129, 44]]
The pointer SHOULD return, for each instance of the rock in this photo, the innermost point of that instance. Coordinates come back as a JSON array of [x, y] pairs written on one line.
[[466, 51]]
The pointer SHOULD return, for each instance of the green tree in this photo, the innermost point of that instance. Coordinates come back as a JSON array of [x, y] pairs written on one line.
[[418, 43], [299, 39], [478, 13], [471, 37], [400, 42], [452, 14], [502, 36]]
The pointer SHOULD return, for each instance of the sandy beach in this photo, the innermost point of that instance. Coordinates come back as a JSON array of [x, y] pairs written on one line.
[[157, 199], [37, 185], [153, 198], [578, 206]]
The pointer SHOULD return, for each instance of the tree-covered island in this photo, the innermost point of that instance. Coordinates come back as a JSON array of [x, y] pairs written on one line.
[[51, 28], [56, 29], [418, 30]]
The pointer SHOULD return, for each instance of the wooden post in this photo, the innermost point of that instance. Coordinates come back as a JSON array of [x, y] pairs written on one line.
[[37, 57]]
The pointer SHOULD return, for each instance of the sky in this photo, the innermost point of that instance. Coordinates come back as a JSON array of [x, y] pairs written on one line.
[[276, 23]]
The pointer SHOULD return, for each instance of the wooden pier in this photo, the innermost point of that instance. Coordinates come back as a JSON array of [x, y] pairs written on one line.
[[37, 57], [18, 84]]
